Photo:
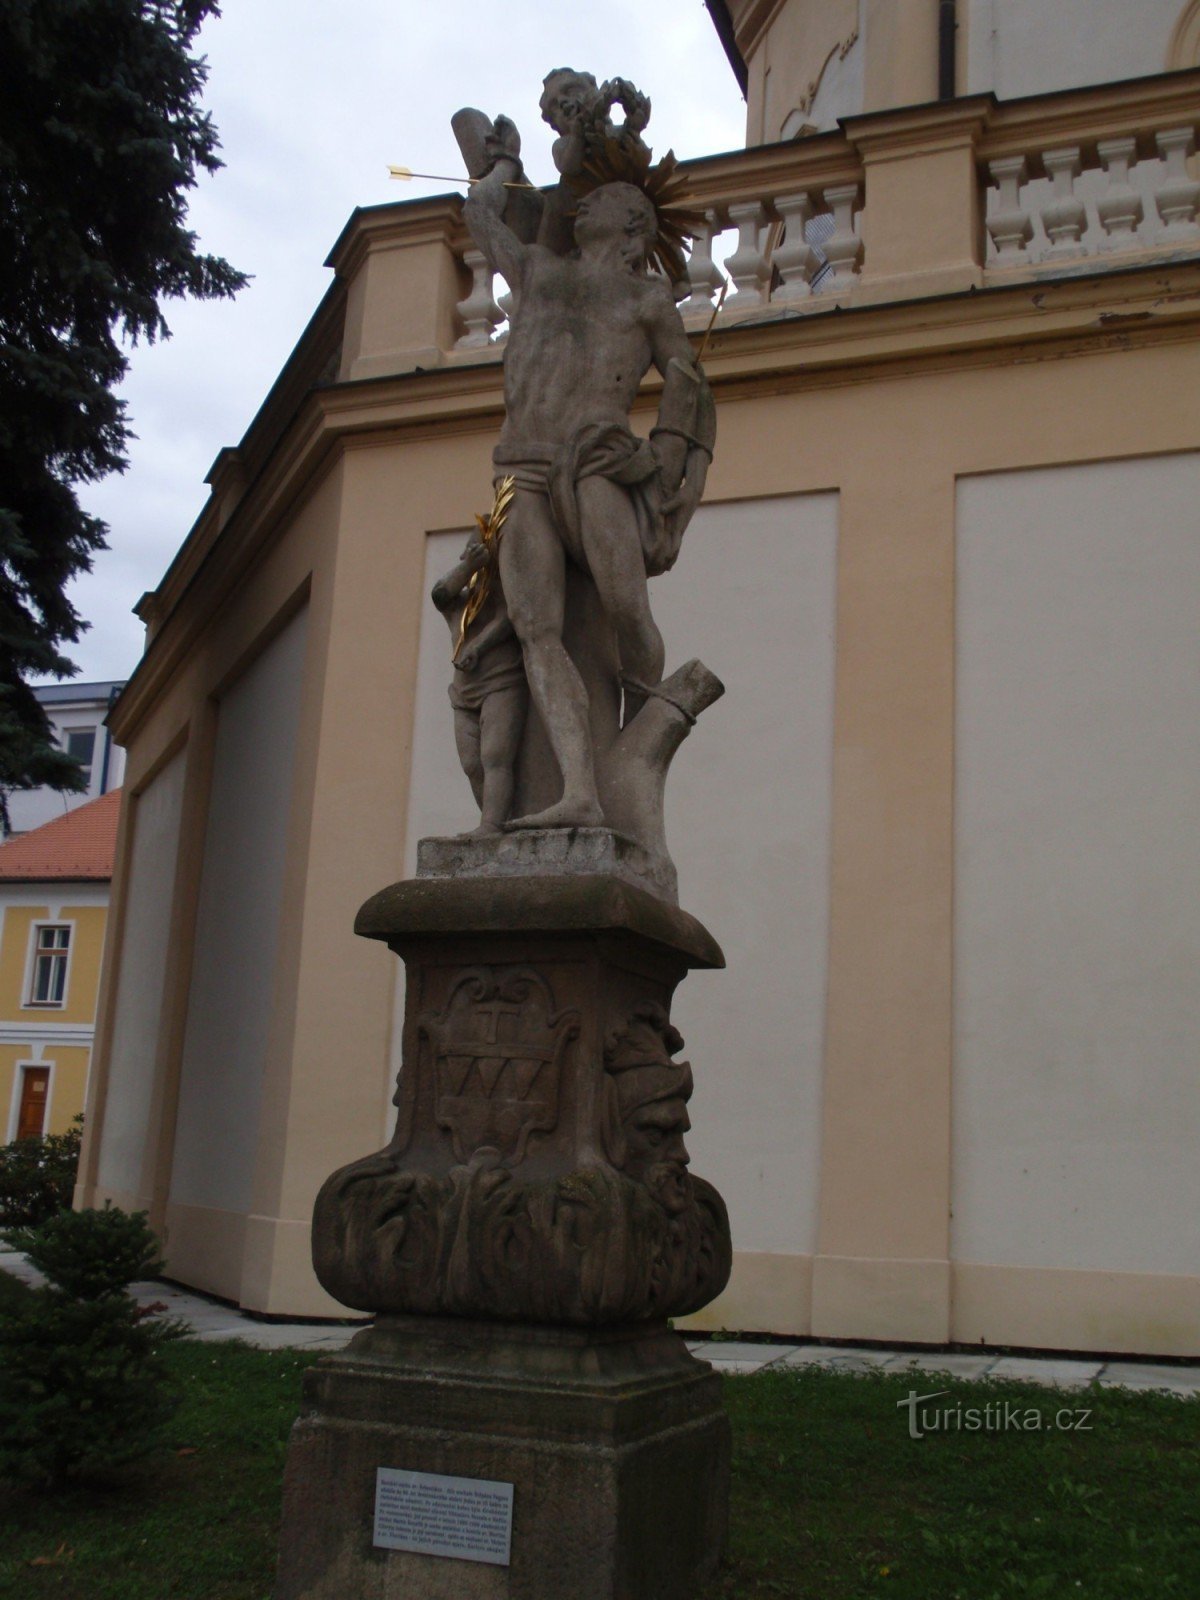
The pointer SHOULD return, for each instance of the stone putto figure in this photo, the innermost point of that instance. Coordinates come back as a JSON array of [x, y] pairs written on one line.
[[488, 694]]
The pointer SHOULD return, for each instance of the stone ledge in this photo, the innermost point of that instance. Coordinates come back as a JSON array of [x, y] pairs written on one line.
[[586, 903]]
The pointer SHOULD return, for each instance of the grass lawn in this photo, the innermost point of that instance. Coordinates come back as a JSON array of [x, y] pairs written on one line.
[[832, 1499]]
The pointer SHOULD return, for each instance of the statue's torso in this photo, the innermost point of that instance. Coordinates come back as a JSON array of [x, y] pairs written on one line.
[[577, 352]]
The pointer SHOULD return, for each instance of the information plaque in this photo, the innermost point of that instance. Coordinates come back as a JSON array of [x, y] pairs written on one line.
[[432, 1515]]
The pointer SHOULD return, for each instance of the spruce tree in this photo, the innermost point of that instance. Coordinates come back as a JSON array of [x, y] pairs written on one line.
[[102, 135], [84, 1389]]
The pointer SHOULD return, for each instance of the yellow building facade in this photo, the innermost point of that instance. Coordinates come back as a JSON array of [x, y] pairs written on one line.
[[942, 822], [54, 886]]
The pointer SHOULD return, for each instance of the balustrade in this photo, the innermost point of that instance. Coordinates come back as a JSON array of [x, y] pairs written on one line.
[[1066, 185], [798, 250], [1087, 201], [705, 278], [1120, 208], [1177, 195], [479, 311]]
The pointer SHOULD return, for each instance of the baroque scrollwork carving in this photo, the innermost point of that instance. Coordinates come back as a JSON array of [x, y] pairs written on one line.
[[616, 1231]]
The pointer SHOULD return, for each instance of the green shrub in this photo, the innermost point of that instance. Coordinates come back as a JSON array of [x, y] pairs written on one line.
[[88, 1254], [37, 1176], [83, 1387]]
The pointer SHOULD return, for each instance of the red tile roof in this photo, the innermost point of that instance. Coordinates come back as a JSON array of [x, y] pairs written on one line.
[[79, 846]]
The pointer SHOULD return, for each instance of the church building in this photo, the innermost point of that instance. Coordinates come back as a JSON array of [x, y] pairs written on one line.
[[944, 820]]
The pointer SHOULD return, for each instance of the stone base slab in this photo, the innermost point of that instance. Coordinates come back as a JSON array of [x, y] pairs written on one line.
[[615, 1442], [539, 852]]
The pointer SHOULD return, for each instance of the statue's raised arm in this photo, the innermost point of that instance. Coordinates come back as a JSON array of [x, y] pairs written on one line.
[[503, 211]]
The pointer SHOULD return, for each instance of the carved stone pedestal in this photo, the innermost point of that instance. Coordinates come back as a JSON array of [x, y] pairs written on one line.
[[615, 1443], [538, 1171], [523, 1238]]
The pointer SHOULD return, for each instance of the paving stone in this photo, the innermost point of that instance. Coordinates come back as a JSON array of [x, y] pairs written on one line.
[[1184, 1381], [1034, 1369], [839, 1358], [740, 1350], [18, 1267], [331, 1341], [956, 1364], [211, 1320]]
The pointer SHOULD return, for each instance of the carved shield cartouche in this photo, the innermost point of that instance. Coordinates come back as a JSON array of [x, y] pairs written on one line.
[[497, 1052]]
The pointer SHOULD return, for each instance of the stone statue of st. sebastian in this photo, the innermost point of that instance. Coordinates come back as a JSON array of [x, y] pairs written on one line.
[[589, 320], [534, 1220], [533, 1127]]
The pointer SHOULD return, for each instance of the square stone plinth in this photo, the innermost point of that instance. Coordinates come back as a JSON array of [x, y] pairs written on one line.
[[615, 1442], [548, 852]]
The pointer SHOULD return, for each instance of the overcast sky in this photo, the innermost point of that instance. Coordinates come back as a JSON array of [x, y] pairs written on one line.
[[312, 102]]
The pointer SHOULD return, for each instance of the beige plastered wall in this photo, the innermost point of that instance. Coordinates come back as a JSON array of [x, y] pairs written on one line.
[[893, 449], [351, 549], [1012, 48], [794, 49], [230, 612], [887, 408]]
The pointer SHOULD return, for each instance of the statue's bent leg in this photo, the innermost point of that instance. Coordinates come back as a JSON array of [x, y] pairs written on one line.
[[613, 547], [466, 741], [533, 572]]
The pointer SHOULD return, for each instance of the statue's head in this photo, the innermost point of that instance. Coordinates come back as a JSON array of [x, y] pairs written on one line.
[[566, 96], [621, 211], [646, 1112]]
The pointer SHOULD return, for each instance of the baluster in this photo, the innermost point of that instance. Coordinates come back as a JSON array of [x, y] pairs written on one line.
[[479, 310], [705, 277], [1009, 223], [843, 249], [795, 257], [1063, 216], [1177, 196], [1120, 206], [748, 265]]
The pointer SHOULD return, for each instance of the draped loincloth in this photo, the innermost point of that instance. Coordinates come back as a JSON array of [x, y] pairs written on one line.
[[597, 450]]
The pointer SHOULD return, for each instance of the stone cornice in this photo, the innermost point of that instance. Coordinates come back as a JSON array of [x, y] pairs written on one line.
[[237, 468], [816, 162], [994, 326], [909, 130], [1138, 108], [398, 224]]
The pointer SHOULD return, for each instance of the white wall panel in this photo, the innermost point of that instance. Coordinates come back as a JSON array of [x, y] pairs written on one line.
[[748, 822], [149, 894], [237, 929], [1077, 923]]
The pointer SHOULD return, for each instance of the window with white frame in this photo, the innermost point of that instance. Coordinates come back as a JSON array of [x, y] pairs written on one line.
[[51, 951]]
